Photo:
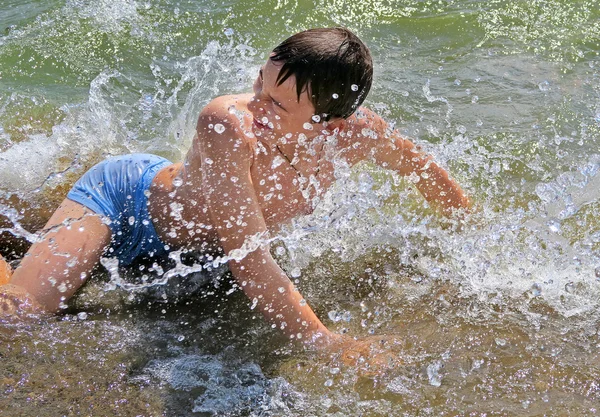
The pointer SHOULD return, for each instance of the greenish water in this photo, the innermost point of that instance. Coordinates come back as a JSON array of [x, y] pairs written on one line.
[[498, 317]]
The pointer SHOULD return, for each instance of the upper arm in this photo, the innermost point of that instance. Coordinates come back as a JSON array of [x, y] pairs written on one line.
[[227, 185], [387, 148], [236, 214]]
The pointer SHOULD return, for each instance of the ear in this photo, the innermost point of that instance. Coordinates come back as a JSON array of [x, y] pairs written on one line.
[[334, 124]]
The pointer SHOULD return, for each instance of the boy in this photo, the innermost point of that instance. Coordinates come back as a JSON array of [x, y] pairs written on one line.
[[257, 161]]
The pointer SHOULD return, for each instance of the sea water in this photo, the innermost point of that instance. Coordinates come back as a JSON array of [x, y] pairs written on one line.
[[494, 315]]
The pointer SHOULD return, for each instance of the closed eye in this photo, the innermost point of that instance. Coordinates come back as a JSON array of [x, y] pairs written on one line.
[[278, 104]]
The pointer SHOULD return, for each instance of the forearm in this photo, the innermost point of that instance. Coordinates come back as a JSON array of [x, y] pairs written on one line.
[[441, 191], [273, 294], [432, 181], [402, 156]]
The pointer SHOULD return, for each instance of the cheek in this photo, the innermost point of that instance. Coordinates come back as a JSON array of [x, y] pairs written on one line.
[[257, 86]]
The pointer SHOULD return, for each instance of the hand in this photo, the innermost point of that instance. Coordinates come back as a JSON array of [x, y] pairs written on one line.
[[371, 355], [5, 271], [16, 301]]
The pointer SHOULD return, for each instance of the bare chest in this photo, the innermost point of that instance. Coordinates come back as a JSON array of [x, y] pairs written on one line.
[[284, 191]]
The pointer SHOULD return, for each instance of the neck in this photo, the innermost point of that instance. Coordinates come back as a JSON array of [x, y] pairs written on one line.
[[302, 147]]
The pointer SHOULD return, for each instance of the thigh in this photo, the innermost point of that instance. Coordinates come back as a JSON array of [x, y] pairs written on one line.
[[59, 263]]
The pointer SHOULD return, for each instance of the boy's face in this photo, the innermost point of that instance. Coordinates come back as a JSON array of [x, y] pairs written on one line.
[[275, 108]]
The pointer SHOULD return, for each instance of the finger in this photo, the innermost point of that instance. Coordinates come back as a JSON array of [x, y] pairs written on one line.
[[5, 271]]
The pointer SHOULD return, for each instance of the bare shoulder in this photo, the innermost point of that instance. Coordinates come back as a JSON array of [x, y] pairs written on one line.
[[367, 118], [364, 131], [219, 109], [221, 126]]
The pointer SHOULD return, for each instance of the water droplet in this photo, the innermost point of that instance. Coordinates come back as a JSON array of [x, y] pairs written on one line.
[[177, 182], [346, 316], [354, 87], [316, 118], [208, 161], [500, 342], [334, 316], [62, 287], [457, 82], [554, 226], [302, 302], [228, 32], [536, 290], [219, 128], [302, 139], [131, 220], [544, 85], [281, 290], [307, 126], [181, 338], [597, 272], [82, 316], [254, 303], [433, 373], [277, 161], [570, 287], [328, 383], [335, 96], [295, 273]]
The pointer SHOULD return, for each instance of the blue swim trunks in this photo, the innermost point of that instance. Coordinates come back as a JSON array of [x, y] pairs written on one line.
[[118, 189]]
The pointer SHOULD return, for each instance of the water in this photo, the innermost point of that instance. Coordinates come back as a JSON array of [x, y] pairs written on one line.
[[496, 315]]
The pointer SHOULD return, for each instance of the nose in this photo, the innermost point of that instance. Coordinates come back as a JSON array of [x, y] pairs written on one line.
[[255, 107]]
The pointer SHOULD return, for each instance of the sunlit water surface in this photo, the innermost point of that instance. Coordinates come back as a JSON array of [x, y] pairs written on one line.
[[495, 316]]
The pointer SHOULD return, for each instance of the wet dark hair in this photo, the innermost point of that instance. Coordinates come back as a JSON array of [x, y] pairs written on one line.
[[332, 65]]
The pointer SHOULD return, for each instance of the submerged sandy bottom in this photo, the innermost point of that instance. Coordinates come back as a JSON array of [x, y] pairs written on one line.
[[211, 355]]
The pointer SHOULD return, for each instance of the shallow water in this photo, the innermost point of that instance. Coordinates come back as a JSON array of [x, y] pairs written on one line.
[[496, 316]]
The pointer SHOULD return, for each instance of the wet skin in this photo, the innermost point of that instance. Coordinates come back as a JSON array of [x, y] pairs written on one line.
[[257, 161]]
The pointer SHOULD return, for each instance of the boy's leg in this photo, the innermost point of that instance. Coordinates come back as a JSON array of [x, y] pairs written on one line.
[[55, 267]]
